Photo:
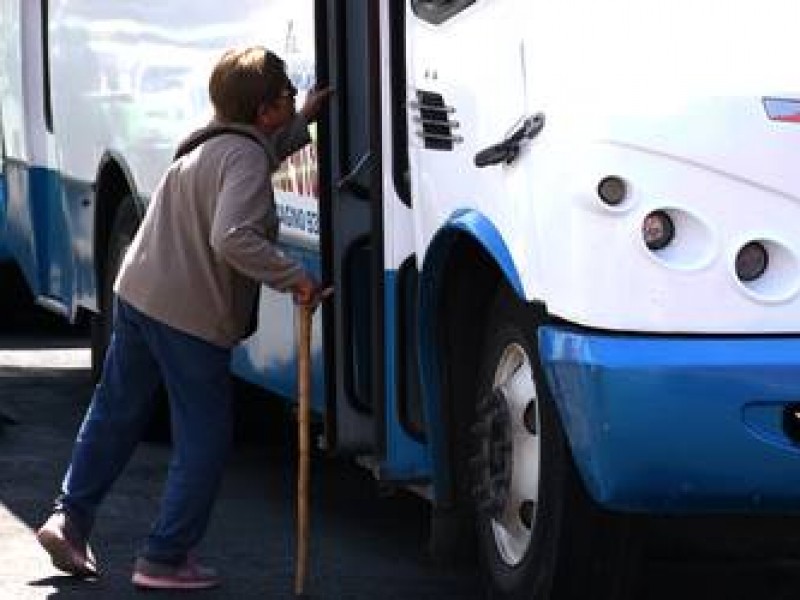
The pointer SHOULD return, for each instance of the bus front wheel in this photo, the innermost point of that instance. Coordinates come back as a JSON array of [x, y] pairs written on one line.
[[539, 534], [126, 222]]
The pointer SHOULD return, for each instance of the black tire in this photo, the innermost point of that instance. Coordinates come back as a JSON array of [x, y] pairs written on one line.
[[126, 222], [539, 535], [16, 299]]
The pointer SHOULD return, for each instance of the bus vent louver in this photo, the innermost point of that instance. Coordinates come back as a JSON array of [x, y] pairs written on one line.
[[434, 121]]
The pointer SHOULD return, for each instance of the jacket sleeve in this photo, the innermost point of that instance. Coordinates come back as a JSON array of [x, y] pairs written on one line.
[[291, 138], [245, 221]]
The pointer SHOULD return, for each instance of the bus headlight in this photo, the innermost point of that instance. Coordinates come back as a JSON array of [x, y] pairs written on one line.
[[751, 261], [658, 230], [612, 190]]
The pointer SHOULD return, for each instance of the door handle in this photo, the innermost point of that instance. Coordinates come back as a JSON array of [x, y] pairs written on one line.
[[507, 150]]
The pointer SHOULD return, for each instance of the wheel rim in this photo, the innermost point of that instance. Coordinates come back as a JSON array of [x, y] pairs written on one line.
[[513, 526]]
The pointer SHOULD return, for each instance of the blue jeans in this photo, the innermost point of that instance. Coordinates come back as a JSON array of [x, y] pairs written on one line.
[[196, 374]]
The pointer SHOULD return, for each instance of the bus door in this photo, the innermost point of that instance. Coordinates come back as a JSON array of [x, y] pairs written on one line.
[[392, 132], [351, 227], [367, 244]]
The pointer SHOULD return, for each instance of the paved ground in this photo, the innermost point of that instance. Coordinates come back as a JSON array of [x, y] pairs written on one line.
[[364, 545]]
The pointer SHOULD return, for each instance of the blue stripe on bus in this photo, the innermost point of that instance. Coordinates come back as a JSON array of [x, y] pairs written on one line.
[[480, 228], [18, 224], [47, 230], [678, 425], [268, 358], [406, 458]]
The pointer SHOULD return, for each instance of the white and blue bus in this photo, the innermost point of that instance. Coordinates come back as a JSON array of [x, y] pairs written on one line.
[[564, 237]]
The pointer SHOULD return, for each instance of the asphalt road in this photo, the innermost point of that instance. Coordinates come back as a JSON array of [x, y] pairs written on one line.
[[364, 544]]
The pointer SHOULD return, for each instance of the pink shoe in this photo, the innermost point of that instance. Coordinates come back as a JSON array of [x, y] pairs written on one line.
[[188, 576], [68, 551]]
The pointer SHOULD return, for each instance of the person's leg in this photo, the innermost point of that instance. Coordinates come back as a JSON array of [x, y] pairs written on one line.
[[121, 406], [197, 377]]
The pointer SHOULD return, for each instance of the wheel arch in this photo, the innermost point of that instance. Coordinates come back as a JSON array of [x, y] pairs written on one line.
[[114, 182], [465, 265]]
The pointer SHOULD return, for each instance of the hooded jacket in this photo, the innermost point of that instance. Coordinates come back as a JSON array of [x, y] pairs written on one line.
[[208, 238]]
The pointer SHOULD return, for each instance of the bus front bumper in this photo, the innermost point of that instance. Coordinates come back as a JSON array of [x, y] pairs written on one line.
[[677, 425]]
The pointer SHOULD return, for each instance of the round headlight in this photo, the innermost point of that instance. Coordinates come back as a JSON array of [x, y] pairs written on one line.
[[612, 190], [751, 261], [658, 230]]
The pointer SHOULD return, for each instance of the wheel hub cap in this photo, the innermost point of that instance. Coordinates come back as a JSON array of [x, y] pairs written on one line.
[[507, 460]]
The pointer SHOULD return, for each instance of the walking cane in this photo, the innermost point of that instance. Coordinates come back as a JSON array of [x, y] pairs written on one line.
[[304, 314]]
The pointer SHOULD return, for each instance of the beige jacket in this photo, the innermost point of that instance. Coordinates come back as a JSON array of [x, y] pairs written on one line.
[[207, 240]]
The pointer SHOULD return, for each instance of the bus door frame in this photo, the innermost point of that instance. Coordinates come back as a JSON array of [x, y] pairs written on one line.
[[351, 226]]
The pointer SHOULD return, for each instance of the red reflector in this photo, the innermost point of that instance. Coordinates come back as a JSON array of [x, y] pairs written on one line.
[[795, 118]]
